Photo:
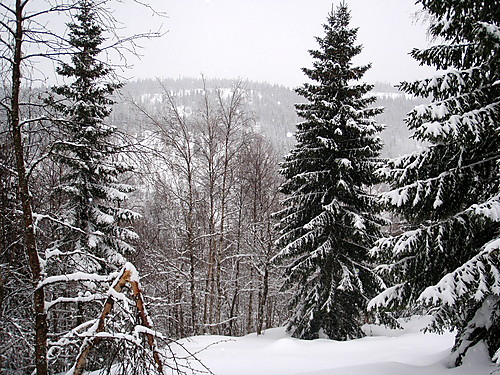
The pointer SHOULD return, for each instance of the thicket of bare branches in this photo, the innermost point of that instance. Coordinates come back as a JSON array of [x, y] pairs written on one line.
[[207, 231]]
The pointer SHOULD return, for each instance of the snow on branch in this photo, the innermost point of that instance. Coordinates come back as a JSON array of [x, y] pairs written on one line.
[[70, 336], [293, 246], [491, 29], [405, 242], [423, 188], [55, 252], [345, 283], [77, 276], [39, 217], [489, 209], [456, 126], [398, 244], [472, 278], [88, 298], [390, 297], [127, 275]]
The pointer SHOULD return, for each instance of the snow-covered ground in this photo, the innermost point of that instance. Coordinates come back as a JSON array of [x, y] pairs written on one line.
[[382, 352]]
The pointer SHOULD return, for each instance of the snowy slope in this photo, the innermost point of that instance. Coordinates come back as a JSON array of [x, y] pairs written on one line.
[[384, 352]]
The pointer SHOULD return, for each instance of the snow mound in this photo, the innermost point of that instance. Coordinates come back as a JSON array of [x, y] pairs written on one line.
[[383, 352]]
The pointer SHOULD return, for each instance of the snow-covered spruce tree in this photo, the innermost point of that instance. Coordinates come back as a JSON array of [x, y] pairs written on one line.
[[91, 239], [448, 258], [330, 220], [91, 167]]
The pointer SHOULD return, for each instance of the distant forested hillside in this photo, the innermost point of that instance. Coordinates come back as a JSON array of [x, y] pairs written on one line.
[[272, 107]]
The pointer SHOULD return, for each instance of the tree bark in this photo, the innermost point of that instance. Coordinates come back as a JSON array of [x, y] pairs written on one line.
[[137, 293], [262, 300], [29, 229]]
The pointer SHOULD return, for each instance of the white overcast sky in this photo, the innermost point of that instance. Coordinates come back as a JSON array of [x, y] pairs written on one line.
[[268, 40]]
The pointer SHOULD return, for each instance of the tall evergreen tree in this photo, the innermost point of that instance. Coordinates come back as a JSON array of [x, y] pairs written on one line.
[[448, 257], [91, 238], [90, 158], [330, 219]]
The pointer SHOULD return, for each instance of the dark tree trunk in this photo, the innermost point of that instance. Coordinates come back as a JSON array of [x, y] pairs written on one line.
[[262, 300], [29, 229]]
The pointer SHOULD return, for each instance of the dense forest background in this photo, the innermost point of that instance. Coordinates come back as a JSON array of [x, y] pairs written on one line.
[[204, 156], [207, 227]]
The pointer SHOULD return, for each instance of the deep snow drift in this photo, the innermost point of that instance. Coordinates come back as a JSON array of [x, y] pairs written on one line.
[[382, 352]]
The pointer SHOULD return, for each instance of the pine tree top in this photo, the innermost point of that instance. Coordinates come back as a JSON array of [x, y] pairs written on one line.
[[90, 89], [332, 61]]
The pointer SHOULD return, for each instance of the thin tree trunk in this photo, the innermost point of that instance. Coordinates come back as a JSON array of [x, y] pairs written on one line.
[[179, 312], [221, 245], [190, 241], [234, 302], [250, 304], [192, 290], [236, 288], [262, 300], [210, 290], [29, 229]]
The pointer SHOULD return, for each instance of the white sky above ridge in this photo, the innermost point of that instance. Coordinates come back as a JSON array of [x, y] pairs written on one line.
[[268, 40]]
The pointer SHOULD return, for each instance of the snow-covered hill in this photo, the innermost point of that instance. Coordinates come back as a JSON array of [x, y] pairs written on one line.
[[272, 107], [382, 352]]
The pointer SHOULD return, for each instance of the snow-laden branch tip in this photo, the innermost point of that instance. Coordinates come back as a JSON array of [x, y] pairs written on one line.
[[89, 298], [77, 276], [388, 297], [470, 277]]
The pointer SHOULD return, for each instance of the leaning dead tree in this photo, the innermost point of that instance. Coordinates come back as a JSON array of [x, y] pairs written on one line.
[[96, 332]]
